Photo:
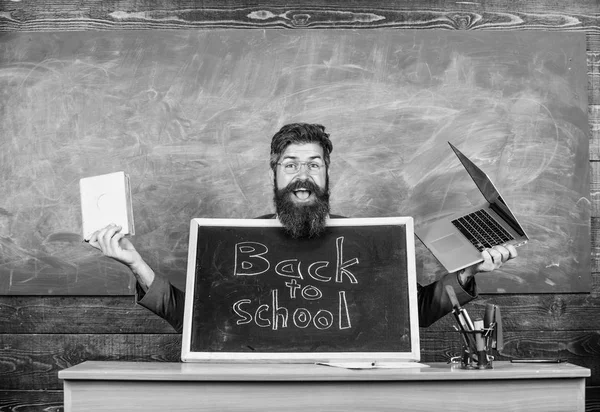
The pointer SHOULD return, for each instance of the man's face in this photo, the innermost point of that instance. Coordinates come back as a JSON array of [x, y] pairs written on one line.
[[308, 152], [301, 189]]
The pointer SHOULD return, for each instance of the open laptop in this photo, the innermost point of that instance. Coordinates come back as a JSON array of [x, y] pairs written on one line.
[[457, 241]]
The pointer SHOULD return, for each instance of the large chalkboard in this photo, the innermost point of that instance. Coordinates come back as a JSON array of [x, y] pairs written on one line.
[[189, 115], [254, 293]]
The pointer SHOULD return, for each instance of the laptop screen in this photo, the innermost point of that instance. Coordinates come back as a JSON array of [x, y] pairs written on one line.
[[254, 293], [489, 191]]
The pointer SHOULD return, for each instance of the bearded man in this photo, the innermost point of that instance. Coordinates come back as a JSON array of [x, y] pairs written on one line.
[[300, 159]]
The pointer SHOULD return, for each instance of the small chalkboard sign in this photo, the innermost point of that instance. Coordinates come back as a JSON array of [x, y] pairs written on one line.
[[254, 293]]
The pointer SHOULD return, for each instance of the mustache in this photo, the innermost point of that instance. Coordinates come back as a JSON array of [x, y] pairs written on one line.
[[302, 184]]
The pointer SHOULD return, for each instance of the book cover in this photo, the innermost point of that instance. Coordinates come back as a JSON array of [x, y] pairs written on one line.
[[106, 199]]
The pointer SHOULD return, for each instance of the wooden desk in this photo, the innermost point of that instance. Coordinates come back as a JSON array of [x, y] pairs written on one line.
[[130, 386]]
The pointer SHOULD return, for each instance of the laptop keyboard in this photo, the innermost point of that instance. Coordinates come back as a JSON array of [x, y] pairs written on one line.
[[482, 230]]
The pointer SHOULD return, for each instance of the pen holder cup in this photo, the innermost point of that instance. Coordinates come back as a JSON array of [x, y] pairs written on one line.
[[476, 351]]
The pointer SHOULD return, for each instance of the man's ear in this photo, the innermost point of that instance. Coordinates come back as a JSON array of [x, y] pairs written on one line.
[[272, 176]]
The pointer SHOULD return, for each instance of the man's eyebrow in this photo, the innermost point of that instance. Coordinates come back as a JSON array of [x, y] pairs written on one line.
[[296, 157]]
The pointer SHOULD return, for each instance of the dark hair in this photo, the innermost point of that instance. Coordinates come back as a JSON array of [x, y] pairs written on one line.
[[299, 133]]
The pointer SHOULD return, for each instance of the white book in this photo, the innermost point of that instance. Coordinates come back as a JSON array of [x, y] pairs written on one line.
[[106, 199]]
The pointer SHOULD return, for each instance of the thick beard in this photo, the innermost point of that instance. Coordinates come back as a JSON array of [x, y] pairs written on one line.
[[302, 221]]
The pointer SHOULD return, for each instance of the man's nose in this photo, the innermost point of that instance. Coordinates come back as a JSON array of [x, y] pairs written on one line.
[[301, 177], [303, 171]]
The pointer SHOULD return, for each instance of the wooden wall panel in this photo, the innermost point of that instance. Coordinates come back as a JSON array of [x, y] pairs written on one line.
[[32, 361], [68, 314], [110, 315], [19, 400], [41, 335], [489, 15]]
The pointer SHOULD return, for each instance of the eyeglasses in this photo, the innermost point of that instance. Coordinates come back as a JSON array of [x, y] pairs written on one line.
[[293, 167]]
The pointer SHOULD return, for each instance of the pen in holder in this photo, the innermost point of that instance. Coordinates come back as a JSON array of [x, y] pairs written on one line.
[[476, 351], [478, 338]]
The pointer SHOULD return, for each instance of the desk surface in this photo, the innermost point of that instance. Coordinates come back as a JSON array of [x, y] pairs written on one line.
[[272, 387], [265, 372]]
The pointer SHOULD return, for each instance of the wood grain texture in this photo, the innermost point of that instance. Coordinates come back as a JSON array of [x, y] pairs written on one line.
[[595, 190], [65, 314], [33, 361], [543, 15], [116, 315], [23, 400], [593, 64], [595, 250], [580, 348], [592, 398]]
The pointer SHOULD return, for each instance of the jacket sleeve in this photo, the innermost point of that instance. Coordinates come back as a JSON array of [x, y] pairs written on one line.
[[165, 300], [434, 302]]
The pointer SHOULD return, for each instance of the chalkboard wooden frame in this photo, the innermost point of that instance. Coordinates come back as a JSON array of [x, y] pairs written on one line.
[[407, 275]]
